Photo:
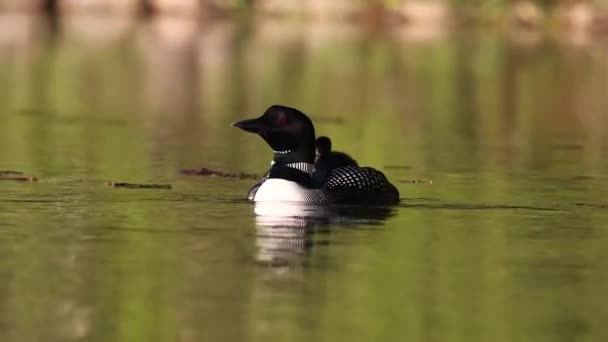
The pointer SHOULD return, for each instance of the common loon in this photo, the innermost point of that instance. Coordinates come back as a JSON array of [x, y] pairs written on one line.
[[291, 135]]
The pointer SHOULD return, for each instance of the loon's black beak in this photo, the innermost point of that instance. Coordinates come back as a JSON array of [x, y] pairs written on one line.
[[251, 125]]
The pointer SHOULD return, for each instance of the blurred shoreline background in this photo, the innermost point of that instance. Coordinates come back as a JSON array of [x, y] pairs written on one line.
[[589, 16], [136, 90], [174, 74]]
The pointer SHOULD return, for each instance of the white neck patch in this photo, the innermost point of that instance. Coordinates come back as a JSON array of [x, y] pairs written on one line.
[[302, 166]]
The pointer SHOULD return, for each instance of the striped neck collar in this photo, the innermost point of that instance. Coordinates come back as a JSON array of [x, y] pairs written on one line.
[[305, 167]]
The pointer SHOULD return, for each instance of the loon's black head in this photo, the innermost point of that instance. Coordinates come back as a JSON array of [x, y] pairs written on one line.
[[289, 132]]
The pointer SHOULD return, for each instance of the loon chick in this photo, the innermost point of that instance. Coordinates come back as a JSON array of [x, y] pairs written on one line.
[[327, 160], [322, 147], [323, 152], [291, 135]]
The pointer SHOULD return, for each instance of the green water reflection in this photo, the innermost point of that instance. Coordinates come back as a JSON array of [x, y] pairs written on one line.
[[506, 244]]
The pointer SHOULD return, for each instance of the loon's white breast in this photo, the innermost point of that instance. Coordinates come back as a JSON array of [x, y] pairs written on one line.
[[281, 190]]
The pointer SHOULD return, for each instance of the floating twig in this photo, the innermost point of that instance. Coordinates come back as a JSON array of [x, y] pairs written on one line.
[[10, 172], [19, 179], [216, 173], [416, 181], [138, 186]]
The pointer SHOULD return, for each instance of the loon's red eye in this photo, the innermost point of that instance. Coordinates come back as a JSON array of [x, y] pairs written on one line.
[[283, 120]]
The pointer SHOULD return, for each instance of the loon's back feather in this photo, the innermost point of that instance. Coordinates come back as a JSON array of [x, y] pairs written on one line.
[[360, 185], [354, 177], [345, 185]]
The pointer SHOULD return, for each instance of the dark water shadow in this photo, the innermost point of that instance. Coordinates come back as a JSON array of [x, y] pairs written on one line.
[[592, 205], [567, 147], [407, 203]]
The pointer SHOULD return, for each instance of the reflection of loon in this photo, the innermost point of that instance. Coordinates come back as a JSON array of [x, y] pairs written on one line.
[[287, 232], [291, 135]]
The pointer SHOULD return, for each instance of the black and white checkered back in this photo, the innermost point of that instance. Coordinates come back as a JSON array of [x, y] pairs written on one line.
[[354, 177]]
